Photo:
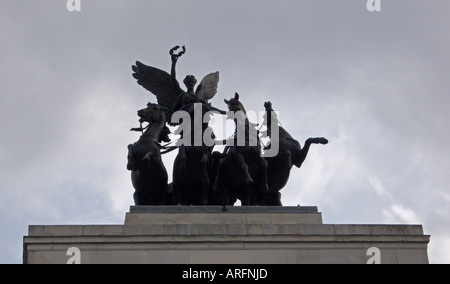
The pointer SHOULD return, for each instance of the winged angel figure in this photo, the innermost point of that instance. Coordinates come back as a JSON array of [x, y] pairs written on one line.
[[167, 89], [191, 181]]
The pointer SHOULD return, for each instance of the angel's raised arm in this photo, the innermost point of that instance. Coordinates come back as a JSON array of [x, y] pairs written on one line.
[[174, 63]]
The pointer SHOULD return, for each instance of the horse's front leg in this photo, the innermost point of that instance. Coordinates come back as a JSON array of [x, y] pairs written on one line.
[[248, 179], [261, 186], [246, 196], [179, 168], [205, 179], [131, 166]]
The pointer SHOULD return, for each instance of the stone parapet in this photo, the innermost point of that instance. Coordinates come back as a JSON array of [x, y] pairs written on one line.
[[241, 235]]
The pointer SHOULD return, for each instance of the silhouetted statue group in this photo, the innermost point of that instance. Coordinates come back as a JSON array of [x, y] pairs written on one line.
[[244, 171]]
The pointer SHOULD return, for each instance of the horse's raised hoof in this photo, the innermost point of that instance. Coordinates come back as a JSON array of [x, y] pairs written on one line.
[[323, 141], [319, 140]]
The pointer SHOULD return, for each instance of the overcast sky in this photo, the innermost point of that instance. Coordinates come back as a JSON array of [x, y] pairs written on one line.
[[375, 84]]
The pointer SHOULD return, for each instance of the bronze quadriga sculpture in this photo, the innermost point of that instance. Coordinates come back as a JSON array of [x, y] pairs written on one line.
[[200, 175]]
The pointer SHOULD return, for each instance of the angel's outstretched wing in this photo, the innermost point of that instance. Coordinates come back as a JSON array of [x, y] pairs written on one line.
[[208, 87], [157, 82]]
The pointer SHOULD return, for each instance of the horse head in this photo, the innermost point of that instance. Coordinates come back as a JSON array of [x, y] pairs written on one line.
[[270, 117], [152, 114], [234, 104], [268, 106], [155, 116]]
